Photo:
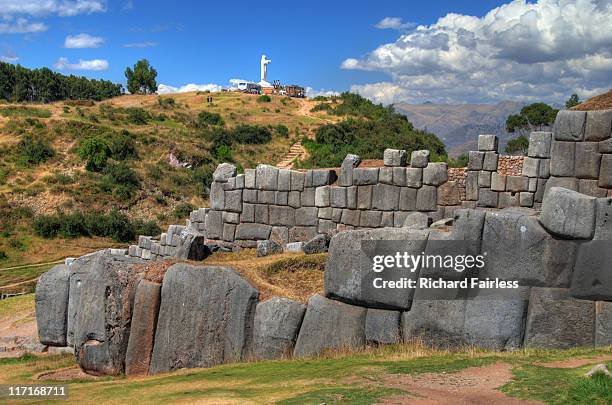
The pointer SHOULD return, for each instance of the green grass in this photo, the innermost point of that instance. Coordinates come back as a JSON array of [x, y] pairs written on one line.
[[21, 274], [341, 395], [22, 111], [14, 305]]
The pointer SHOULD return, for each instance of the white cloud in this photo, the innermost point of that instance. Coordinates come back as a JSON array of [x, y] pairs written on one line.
[[394, 23], [21, 26], [94, 64], [525, 51], [83, 41], [166, 89], [140, 45], [310, 92], [9, 56], [38, 8]]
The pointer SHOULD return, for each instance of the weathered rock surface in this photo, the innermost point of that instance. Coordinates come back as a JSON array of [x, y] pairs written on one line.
[[51, 300], [417, 220], [592, 278], [105, 311], [348, 271], [603, 323], [142, 330], [568, 213], [205, 318], [555, 320], [330, 324], [192, 247], [277, 324], [382, 326], [318, 244], [268, 247], [224, 172]]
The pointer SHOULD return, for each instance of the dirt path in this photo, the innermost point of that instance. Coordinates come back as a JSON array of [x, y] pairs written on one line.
[[576, 362], [474, 385]]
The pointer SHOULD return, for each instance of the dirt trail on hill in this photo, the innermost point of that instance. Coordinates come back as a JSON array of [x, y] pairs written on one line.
[[474, 385]]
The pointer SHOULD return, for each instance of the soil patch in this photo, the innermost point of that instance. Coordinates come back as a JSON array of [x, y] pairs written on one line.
[[474, 385], [67, 374], [575, 362]]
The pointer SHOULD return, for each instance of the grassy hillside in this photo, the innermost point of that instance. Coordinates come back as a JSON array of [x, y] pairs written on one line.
[[157, 155]]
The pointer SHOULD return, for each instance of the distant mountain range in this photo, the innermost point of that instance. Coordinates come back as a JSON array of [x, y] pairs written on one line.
[[458, 126]]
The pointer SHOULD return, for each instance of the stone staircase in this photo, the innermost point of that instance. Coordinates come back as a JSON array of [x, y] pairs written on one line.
[[297, 151]]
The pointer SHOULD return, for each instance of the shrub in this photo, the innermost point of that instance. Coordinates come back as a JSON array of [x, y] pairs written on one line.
[[137, 116], [22, 111], [148, 228], [518, 145], [47, 226], [251, 134], [183, 210], [203, 176], [122, 146], [121, 174], [3, 255], [166, 102], [461, 161], [264, 98], [208, 118], [96, 152], [34, 150], [282, 130]]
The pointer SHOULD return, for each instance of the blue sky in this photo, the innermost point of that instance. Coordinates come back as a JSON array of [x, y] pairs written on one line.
[[373, 47]]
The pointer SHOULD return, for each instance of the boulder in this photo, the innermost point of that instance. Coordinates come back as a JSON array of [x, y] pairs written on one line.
[[569, 125], [349, 274], [224, 172], [382, 326], [555, 320], [329, 325], [417, 220], [205, 318], [268, 247], [105, 311], [142, 330], [592, 278], [277, 324], [419, 158], [51, 300], [517, 247], [318, 244], [568, 214]]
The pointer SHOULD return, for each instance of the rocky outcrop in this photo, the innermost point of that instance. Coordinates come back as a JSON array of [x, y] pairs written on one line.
[[205, 318]]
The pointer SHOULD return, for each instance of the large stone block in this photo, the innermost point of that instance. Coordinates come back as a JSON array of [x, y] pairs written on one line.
[[350, 217], [364, 197], [435, 174], [302, 233], [598, 125], [329, 325], [308, 197], [143, 325], [217, 196], [281, 197], [487, 142], [417, 220], [419, 158], [215, 327], [224, 172], [214, 224], [318, 244], [603, 323], [569, 125], [233, 201], [365, 176], [427, 199], [249, 178], [262, 213], [51, 298], [471, 185], [370, 219], [498, 182], [351, 197], [591, 187], [294, 199], [475, 160], [105, 311], [385, 175], [266, 196], [605, 172], [496, 322], [277, 324], [487, 198], [531, 167], [297, 181], [348, 271], [414, 177], [539, 144], [555, 320], [544, 169], [394, 157], [407, 199], [349, 163], [399, 176], [266, 177], [570, 183], [338, 197], [449, 193], [281, 215], [490, 161], [382, 326], [568, 214], [249, 196], [518, 248], [562, 158], [603, 219], [253, 231], [306, 216], [605, 146], [508, 199], [587, 161], [323, 177], [592, 278], [284, 180], [385, 197], [517, 183]]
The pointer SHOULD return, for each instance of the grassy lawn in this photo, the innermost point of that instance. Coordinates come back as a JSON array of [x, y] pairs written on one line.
[[335, 379]]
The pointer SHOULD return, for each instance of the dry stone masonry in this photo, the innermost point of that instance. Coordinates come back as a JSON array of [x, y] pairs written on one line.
[[547, 227]]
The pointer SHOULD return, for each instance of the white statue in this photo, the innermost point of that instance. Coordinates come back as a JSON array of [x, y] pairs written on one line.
[[264, 70]]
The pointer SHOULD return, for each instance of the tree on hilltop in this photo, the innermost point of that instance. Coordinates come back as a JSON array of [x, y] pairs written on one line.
[[141, 80], [572, 101], [533, 117]]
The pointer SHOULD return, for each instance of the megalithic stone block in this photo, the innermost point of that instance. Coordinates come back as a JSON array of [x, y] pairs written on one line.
[[224, 172], [568, 214], [419, 158], [487, 142], [277, 324], [539, 144], [598, 125], [569, 125], [349, 163], [394, 157], [51, 300]]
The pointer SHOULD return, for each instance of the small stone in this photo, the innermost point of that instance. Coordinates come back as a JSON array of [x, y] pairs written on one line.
[[268, 247], [318, 244], [224, 172]]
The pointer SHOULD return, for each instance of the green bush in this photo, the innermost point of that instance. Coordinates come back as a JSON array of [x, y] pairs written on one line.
[[282, 130], [208, 118], [251, 134], [34, 150], [22, 111], [203, 176], [120, 174], [518, 145], [183, 210], [460, 161], [122, 146], [264, 98], [3, 255], [96, 152], [148, 228], [166, 102], [138, 116]]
